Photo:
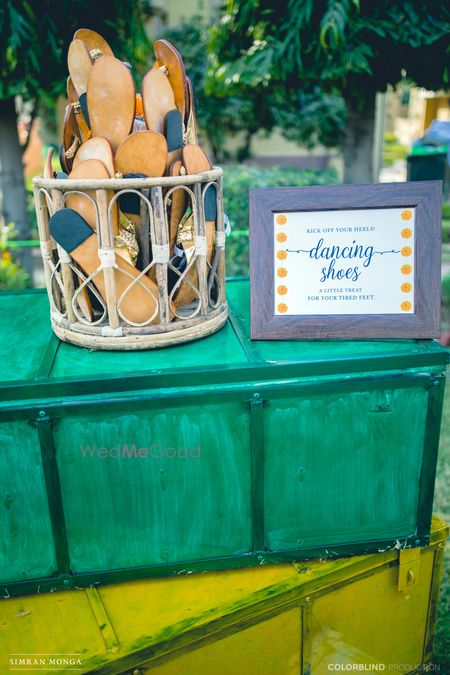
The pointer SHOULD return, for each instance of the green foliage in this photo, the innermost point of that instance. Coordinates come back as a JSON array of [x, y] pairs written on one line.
[[446, 223], [236, 184], [446, 231], [393, 150], [341, 51], [315, 118], [35, 34], [12, 276], [446, 290], [218, 118]]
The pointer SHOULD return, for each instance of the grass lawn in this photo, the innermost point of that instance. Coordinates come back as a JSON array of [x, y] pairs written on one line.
[[442, 509]]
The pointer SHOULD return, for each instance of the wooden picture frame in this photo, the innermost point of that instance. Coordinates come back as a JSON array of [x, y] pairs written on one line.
[[413, 265]]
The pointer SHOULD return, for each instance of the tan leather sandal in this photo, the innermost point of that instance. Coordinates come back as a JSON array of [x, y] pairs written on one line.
[[190, 119], [80, 114], [72, 95], [75, 236], [80, 65], [91, 168], [168, 56], [195, 161], [111, 100], [143, 152], [157, 99], [95, 43], [71, 139], [178, 206], [96, 148]]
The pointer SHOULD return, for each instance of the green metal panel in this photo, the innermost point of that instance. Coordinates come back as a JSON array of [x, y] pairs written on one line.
[[279, 476], [125, 511], [53, 370], [24, 335], [26, 549], [220, 349], [349, 465], [334, 353]]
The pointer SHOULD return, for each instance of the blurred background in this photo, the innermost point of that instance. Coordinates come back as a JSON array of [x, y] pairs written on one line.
[[293, 93], [300, 92]]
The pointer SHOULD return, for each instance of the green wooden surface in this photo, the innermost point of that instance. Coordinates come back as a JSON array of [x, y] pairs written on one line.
[[307, 351], [26, 548], [128, 511], [348, 473], [220, 350], [33, 353], [307, 449], [25, 332]]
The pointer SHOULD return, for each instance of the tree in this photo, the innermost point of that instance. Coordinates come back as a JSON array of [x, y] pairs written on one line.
[[34, 37], [318, 65], [218, 117], [222, 114]]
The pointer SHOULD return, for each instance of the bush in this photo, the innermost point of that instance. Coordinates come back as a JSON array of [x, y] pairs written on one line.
[[446, 223], [446, 231], [237, 181], [446, 290], [393, 150], [12, 276]]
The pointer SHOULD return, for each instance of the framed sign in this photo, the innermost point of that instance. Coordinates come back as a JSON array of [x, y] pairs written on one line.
[[346, 261]]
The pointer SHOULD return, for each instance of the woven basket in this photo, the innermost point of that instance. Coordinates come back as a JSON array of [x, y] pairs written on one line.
[[109, 328]]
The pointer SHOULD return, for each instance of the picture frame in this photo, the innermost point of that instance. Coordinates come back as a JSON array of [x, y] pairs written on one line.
[[346, 261]]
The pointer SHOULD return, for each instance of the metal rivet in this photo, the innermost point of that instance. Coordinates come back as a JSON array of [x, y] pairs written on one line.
[[436, 383], [260, 557], [308, 599], [66, 581], [417, 542], [256, 396], [41, 413], [136, 672]]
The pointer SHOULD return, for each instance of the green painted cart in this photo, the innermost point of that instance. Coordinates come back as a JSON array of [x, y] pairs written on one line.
[[215, 454]]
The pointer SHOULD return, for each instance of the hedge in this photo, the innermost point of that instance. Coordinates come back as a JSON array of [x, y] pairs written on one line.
[[237, 181]]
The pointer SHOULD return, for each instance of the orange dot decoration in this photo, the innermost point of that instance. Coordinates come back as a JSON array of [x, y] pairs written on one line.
[[282, 308], [406, 214], [406, 233], [281, 219], [282, 290], [406, 251], [406, 306], [281, 236], [406, 287], [281, 255], [282, 272], [406, 269]]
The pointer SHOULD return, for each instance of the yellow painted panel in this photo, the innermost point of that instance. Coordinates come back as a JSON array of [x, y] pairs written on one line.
[[371, 622], [348, 620], [175, 606], [272, 646], [52, 624]]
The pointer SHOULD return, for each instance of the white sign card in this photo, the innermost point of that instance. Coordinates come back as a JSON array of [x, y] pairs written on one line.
[[358, 261]]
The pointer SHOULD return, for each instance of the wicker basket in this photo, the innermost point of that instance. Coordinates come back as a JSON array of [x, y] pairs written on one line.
[[109, 328]]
